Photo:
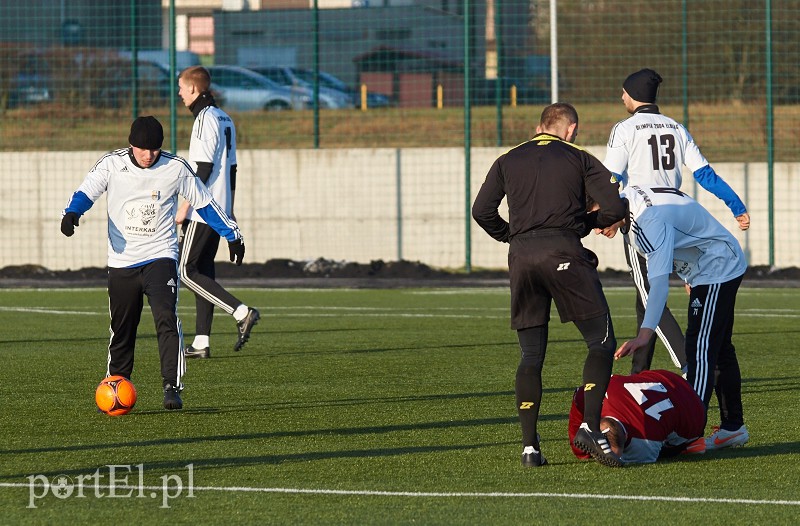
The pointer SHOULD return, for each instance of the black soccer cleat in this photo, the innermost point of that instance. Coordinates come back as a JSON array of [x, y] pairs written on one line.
[[597, 446], [191, 352], [172, 397], [533, 460], [245, 326]]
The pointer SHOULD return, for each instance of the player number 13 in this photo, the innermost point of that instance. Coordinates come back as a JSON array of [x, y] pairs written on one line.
[[665, 159]]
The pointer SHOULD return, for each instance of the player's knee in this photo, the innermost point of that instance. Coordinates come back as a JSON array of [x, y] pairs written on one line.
[[164, 313], [609, 345], [529, 370], [188, 271], [532, 357], [533, 345], [604, 347]]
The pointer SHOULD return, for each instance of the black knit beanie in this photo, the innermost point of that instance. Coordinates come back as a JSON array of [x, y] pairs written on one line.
[[146, 133], [643, 85]]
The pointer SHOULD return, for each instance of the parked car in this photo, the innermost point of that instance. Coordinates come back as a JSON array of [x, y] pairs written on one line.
[[31, 84], [102, 83], [183, 59], [243, 89], [302, 81], [27, 88], [374, 100], [116, 91]]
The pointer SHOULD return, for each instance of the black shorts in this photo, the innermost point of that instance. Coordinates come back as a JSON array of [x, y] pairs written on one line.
[[553, 266]]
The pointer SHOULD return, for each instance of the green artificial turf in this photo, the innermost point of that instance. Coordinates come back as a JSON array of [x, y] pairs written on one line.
[[365, 407]]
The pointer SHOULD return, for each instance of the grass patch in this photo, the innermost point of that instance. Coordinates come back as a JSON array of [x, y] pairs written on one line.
[[369, 407], [716, 128]]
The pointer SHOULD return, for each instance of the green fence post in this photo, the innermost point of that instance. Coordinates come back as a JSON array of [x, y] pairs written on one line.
[[399, 200], [173, 89], [498, 88], [467, 138], [685, 61], [316, 75], [134, 63], [770, 138], [685, 76]]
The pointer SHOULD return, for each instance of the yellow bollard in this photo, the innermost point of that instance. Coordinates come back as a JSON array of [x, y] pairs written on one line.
[[513, 96], [363, 97], [439, 97]]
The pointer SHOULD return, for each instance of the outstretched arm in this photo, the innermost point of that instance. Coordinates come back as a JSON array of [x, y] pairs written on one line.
[[656, 301], [708, 179], [195, 192], [216, 218], [92, 187]]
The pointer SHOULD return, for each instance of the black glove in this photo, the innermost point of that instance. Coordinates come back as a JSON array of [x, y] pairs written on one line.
[[237, 251], [68, 223], [589, 223]]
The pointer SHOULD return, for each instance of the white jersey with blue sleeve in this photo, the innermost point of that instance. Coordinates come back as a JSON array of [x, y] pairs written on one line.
[[650, 149], [142, 204]]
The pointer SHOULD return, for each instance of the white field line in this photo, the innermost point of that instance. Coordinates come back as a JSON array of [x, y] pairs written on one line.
[[45, 310], [430, 494], [315, 311], [422, 291]]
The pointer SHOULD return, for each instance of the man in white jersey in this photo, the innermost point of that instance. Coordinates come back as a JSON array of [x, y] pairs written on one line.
[[675, 233], [649, 148], [213, 151], [142, 185]]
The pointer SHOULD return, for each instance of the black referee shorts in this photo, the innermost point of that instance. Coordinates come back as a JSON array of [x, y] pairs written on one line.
[[545, 266]]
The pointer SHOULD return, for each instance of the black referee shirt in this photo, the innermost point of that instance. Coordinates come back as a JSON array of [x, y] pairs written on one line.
[[546, 180]]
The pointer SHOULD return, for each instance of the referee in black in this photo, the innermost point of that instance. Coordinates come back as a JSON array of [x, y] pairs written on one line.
[[546, 181]]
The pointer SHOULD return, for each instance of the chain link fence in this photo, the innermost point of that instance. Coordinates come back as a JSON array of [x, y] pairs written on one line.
[[366, 127]]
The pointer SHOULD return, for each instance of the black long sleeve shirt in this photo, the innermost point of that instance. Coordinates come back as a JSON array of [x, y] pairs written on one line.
[[546, 181]]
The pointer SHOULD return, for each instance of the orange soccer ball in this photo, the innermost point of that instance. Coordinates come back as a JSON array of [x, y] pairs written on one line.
[[115, 396]]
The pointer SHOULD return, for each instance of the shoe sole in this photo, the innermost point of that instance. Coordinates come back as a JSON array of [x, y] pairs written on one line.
[[197, 355], [603, 459], [725, 446], [246, 335], [534, 464], [173, 403], [737, 440], [694, 451], [697, 447]]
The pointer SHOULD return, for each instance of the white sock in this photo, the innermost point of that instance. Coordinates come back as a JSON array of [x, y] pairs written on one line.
[[241, 312], [200, 342], [527, 450]]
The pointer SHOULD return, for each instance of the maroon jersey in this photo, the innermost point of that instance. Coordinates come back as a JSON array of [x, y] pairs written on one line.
[[657, 408]]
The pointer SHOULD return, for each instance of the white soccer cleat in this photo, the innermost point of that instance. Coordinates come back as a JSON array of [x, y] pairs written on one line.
[[721, 438]]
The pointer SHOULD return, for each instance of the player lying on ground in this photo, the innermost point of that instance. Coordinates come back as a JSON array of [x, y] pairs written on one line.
[[646, 416]]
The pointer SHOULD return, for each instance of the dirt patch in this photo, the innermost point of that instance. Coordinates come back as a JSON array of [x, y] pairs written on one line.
[[327, 272]]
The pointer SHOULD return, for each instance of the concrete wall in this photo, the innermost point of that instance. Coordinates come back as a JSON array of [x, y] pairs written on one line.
[[344, 205]]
